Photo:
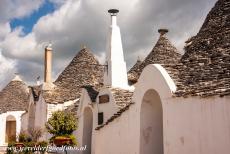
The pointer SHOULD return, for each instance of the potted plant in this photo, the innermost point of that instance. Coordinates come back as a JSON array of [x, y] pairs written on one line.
[[62, 125], [27, 139]]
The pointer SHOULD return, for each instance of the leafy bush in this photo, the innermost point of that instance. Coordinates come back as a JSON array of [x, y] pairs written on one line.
[[61, 123]]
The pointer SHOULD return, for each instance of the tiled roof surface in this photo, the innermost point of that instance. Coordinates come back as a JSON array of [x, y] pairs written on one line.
[[206, 62], [73, 108], [14, 97], [134, 72], [122, 97]]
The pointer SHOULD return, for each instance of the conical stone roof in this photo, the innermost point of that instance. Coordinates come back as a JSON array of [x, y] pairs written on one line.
[[134, 72], [162, 53], [83, 70], [206, 62], [15, 96]]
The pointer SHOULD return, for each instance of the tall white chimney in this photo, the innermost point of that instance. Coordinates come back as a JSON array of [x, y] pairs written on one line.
[[116, 74], [48, 85]]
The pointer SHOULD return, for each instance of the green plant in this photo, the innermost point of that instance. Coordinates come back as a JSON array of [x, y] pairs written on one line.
[[29, 140], [73, 138], [27, 146], [61, 123], [43, 143], [35, 133], [23, 136], [10, 148]]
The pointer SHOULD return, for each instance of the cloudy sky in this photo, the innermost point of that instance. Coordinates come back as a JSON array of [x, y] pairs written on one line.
[[27, 25]]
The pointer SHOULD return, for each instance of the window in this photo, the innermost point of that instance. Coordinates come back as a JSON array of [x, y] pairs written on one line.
[[100, 118], [103, 99]]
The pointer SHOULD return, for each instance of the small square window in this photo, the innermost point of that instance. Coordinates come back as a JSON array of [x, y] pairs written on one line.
[[103, 99]]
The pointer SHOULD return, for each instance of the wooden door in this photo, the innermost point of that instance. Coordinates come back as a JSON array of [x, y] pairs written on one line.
[[10, 131]]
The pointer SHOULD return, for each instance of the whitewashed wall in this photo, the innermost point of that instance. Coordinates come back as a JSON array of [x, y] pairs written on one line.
[[108, 108], [197, 125], [25, 121]]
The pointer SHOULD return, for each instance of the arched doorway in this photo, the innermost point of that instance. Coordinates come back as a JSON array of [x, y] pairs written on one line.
[[87, 129], [151, 124], [10, 129]]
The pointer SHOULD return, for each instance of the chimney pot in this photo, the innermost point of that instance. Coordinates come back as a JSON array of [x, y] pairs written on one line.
[[49, 47], [163, 31], [48, 63], [113, 12]]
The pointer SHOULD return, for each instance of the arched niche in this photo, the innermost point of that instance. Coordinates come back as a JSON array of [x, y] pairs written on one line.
[[87, 129], [151, 124]]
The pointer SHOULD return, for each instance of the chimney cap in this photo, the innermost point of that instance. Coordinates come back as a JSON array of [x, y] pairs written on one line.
[[138, 59], [49, 47], [113, 12], [17, 77], [163, 31]]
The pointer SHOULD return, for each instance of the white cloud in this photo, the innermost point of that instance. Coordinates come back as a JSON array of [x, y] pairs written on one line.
[[4, 30], [18, 46], [10, 9], [7, 70]]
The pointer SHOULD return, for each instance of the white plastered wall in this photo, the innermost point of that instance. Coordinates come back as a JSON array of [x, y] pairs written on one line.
[[198, 126], [108, 108]]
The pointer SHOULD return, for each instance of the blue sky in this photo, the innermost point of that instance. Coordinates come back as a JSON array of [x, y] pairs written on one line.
[[28, 22]]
